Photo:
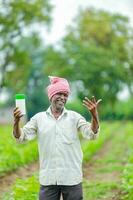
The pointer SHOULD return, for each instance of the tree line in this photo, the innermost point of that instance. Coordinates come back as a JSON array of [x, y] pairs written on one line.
[[95, 55]]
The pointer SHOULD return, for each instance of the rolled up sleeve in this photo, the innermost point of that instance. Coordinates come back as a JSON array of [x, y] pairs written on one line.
[[85, 128], [29, 131]]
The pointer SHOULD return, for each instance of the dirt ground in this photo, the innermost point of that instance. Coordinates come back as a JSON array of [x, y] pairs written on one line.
[[9, 179]]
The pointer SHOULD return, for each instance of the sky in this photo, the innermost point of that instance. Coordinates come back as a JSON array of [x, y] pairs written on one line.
[[65, 10]]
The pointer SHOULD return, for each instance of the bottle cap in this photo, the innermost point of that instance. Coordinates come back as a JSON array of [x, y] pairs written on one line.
[[19, 96]]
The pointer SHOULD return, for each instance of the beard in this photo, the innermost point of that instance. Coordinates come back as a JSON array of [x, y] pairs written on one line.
[[59, 105]]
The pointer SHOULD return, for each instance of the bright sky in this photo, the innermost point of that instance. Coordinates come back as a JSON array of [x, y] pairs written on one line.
[[66, 10]]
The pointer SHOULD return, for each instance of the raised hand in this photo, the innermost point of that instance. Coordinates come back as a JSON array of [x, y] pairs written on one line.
[[92, 104]]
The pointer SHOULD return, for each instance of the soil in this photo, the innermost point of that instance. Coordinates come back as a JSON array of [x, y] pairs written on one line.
[[91, 170], [9, 179]]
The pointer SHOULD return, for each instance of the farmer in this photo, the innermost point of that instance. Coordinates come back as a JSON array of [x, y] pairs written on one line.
[[60, 152]]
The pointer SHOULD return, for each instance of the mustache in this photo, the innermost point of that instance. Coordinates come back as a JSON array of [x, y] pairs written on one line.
[[63, 101]]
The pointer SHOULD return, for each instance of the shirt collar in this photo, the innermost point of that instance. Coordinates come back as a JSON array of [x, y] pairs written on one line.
[[48, 111]]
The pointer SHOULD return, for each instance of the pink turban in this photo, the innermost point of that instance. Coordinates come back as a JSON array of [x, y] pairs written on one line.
[[57, 85]]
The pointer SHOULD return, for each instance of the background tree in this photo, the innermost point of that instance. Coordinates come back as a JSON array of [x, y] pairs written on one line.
[[29, 79], [96, 50], [16, 19]]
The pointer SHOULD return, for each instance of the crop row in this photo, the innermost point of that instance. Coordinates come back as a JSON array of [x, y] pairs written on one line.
[[127, 184], [13, 154]]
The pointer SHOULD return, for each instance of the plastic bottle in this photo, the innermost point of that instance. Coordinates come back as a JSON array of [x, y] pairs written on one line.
[[20, 103]]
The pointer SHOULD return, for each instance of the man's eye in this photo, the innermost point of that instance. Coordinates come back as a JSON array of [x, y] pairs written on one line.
[[60, 94], [65, 95]]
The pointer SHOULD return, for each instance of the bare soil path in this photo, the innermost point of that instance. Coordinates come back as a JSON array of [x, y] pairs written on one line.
[[9, 179], [106, 166]]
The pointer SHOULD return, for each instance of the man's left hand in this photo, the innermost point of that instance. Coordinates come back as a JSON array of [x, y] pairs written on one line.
[[91, 105]]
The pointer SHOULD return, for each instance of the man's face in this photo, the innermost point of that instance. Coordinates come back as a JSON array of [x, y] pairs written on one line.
[[59, 100]]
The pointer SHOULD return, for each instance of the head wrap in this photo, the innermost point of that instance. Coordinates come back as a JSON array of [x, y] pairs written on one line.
[[57, 84]]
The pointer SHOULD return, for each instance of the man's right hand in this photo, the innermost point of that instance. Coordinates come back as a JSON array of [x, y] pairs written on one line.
[[17, 114]]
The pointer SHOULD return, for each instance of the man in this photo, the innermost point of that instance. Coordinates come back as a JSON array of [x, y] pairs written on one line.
[[60, 152]]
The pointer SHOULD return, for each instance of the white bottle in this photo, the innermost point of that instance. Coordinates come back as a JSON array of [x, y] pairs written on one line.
[[20, 103]]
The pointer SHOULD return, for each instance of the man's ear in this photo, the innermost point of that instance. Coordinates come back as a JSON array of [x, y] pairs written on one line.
[[50, 100]]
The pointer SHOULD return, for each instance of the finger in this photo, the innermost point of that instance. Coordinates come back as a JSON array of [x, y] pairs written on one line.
[[88, 101], [99, 101], [16, 108], [93, 99], [88, 107], [17, 114], [89, 104], [16, 119], [16, 111]]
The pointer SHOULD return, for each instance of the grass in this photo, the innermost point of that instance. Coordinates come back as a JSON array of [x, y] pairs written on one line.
[[127, 181], [91, 147], [98, 191], [119, 159], [12, 154], [24, 189]]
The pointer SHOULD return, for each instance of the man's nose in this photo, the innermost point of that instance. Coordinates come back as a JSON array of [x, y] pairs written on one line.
[[62, 96]]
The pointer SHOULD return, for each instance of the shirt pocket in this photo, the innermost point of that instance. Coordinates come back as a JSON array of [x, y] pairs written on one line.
[[68, 135]]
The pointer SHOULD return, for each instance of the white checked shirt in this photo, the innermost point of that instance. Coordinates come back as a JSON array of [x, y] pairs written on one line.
[[59, 146]]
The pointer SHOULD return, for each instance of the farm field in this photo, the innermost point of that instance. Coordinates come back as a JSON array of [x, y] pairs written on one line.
[[107, 167], [72, 54]]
